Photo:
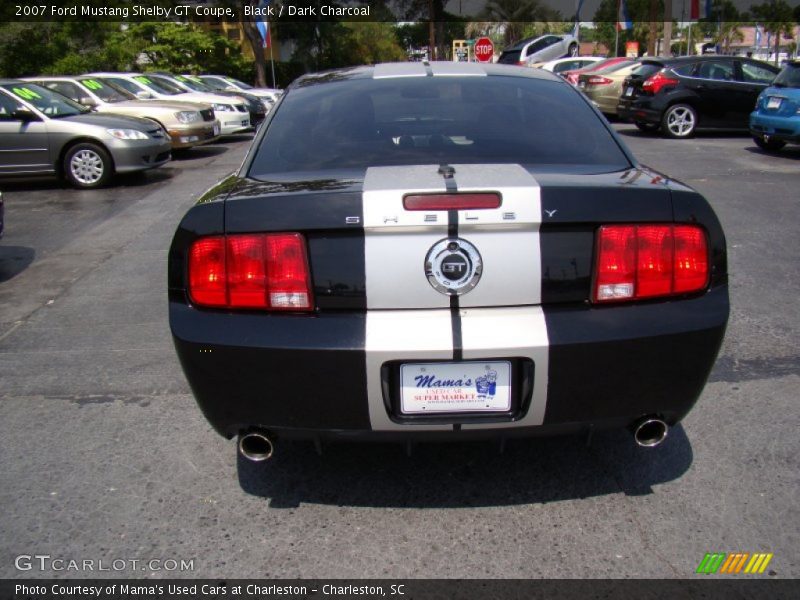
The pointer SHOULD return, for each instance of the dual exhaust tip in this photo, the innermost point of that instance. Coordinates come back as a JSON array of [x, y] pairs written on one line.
[[257, 446]]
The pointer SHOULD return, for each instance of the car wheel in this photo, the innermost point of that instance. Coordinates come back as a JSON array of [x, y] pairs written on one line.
[[87, 165], [647, 127], [767, 144], [679, 121], [573, 50]]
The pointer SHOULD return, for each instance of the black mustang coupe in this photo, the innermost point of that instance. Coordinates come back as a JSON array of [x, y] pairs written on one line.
[[444, 251]]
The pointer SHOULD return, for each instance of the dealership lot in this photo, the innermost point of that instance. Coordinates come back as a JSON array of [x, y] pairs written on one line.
[[104, 454]]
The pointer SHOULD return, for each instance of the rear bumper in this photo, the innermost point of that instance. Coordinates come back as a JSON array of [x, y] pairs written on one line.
[[308, 376], [634, 111], [779, 128]]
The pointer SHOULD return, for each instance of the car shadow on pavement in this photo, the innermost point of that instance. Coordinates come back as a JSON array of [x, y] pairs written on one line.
[[234, 138], [631, 130], [785, 153], [14, 260], [473, 474], [198, 152], [135, 179]]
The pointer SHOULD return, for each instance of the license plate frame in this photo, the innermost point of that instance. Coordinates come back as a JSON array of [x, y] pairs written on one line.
[[454, 387]]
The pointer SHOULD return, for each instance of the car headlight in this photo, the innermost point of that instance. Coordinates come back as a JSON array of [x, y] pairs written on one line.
[[222, 107], [187, 116], [266, 105], [128, 134]]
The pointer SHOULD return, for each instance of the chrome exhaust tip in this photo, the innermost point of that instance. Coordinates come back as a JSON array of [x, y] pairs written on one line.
[[256, 446], [650, 432]]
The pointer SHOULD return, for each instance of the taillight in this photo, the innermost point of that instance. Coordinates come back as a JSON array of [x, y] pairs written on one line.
[[637, 262], [469, 201], [598, 80], [264, 271], [658, 81]]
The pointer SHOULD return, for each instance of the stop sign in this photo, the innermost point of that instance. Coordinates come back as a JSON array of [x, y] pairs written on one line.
[[484, 50]]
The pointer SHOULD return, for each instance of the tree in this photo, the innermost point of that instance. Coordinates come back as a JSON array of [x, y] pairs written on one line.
[[369, 42], [776, 17], [183, 47], [68, 47], [729, 32], [515, 14], [605, 19]]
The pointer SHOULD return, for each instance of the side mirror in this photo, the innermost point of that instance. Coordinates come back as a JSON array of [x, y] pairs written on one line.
[[86, 101], [142, 95], [24, 114]]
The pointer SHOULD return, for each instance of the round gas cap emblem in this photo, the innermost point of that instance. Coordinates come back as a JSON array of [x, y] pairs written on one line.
[[453, 266]]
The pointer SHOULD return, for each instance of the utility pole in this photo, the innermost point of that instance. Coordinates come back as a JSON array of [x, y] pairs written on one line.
[[431, 32], [652, 38]]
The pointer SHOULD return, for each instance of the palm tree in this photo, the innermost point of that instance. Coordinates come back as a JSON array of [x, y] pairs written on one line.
[[514, 14], [777, 19], [729, 33]]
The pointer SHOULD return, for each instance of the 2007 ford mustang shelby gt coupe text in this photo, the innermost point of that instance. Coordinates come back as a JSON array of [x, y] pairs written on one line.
[[444, 251]]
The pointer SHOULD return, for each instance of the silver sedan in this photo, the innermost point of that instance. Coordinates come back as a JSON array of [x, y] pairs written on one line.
[[43, 132]]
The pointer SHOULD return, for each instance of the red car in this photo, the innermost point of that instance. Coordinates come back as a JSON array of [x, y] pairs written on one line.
[[572, 76]]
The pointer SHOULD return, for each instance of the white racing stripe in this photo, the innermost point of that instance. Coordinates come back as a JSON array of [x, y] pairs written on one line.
[[500, 318], [518, 331]]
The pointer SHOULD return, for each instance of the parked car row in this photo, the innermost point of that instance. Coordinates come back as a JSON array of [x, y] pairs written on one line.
[[681, 95], [87, 128]]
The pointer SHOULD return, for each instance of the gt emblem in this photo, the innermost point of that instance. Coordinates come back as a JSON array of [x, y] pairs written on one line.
[[453, 266]]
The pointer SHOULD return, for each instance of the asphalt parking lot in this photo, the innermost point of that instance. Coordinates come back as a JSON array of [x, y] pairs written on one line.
[[104, 454]]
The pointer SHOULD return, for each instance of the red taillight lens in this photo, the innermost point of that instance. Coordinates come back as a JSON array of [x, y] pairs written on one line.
[[658, 81], [691, 259], [598, 80], [246, 271], [636, 262], [266, 271], [207, 277], [451, 201]]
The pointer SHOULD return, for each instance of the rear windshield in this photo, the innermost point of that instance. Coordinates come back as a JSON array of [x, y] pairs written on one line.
[[646, 69], [789, 77], [510, 57], [430, 120]]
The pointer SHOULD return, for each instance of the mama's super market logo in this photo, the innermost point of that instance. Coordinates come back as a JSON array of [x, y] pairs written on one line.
[[734, 563]]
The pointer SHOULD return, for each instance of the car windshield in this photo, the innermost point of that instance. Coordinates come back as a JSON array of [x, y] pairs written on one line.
[[409, 121], [194, 83], [48, 102], [105, 90], [789, 77], [238, 83], [160, 86]]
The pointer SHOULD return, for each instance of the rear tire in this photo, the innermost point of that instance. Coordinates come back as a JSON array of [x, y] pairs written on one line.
[[679, 121], [768, 145], [88, 166], [647, 127], [573, 50]]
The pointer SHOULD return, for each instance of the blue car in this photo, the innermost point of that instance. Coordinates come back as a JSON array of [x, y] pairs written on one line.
[[776, 119]]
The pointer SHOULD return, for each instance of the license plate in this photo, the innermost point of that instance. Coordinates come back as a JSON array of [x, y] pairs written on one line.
[[774, 102], [216, 129], [629, 91], [427, 388], [581, 84]]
